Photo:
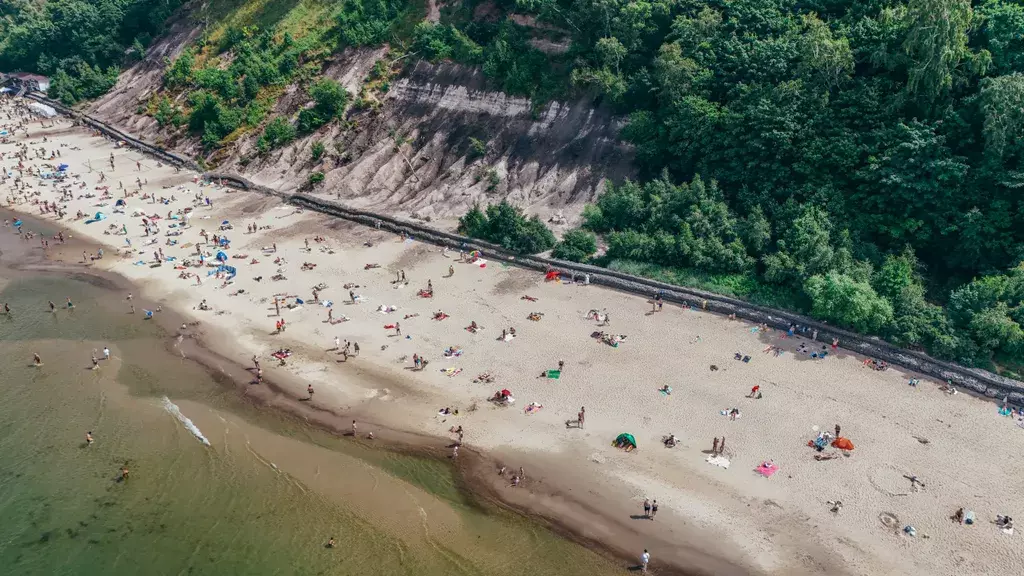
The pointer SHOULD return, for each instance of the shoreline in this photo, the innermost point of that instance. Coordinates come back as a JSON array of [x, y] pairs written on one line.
[[474, 471], [775, 526]]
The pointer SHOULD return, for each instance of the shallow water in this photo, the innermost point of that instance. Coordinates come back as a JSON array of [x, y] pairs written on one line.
[[262, 498]]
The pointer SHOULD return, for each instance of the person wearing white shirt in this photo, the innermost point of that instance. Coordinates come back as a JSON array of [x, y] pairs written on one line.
[[645, 558]]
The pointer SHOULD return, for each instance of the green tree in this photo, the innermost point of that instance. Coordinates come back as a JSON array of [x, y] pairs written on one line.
[[839, 299], [576, 246], [506, 225], [936, 44]]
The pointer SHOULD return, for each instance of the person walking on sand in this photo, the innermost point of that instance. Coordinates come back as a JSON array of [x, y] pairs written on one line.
[[580, 417], [837, 430], [455, 452], [714, 447], [309, 389], [721, 446], [256, 361], [355, 429], [337, 343], [451, 271], [398, 329], [355, 348], [106, 353], [647, 508], [561, 365], [654, 509], [645, 559]]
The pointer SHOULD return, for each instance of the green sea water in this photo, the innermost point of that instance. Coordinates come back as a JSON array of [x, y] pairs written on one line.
[[260, 500]]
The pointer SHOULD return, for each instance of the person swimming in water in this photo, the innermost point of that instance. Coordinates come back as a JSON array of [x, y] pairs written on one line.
[[88, 438], [53, 307], [37, 360], [124, 472], [70, 305], [7, 308]]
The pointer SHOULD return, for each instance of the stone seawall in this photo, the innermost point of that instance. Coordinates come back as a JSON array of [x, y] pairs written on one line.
[[975, 380]]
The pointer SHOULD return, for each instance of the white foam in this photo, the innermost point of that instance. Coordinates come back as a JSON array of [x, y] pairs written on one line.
[[176, 412]]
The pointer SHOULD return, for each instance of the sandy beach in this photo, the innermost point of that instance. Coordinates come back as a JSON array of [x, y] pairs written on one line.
[[962, 451]]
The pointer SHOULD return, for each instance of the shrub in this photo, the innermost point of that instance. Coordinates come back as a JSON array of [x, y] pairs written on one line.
[[477, 149], [317, 150], [506, 225], [315, 178], [577, 246], [277, 133], [329, 100]]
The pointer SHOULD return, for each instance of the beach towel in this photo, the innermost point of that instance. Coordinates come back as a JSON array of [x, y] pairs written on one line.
[[481, 262], [450, 372], [767, 469], [389, 326], [721, 461], [554, 374], [533, 408]]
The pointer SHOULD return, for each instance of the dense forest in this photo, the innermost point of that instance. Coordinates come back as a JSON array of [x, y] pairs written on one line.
[[856, 161], [80, 44]]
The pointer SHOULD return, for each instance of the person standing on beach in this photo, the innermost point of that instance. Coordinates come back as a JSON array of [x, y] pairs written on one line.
[[106, 353], [654, 509], [645, 559], [561, 365], [580, 417], [714, 447], [337, 343], [647, 508], [398, 329], [256, 361], [88, 438], [309, 389], [355, 428]]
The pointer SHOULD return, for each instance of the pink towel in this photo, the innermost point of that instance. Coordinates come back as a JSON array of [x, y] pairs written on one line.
[[766, 469]]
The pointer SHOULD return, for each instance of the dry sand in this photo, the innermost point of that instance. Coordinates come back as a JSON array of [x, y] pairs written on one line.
[[960, 448]]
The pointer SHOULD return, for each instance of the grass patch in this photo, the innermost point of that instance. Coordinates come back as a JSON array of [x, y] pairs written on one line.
[[741, 286]]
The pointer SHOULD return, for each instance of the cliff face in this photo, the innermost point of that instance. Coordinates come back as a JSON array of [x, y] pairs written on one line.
[[412, 154]]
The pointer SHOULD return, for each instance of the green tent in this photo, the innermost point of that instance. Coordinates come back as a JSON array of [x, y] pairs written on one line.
[[625, 438]]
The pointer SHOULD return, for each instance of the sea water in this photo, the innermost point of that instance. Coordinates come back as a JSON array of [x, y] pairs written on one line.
[[217, 486]]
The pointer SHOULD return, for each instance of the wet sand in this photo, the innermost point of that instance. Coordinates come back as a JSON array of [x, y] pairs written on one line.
[[732, 520]]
